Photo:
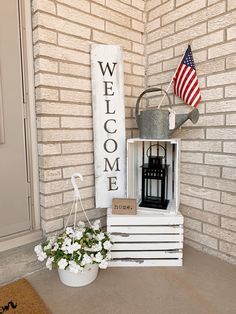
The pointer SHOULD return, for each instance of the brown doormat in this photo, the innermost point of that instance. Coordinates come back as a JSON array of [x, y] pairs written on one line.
[[20, 297]]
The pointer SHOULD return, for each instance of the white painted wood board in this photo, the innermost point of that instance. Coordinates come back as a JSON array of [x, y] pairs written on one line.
[[147, 238], [147, 246], [146, 254], [145, 263], [146, 229], [108, 123], [144, 220]]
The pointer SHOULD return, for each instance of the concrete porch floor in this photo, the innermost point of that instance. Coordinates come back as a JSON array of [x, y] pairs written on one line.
[[204, 284]]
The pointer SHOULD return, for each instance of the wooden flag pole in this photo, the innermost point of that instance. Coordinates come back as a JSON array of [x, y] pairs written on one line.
[[166, 91]]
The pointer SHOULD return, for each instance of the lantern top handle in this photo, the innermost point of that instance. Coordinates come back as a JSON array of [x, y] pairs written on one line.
[[158, 145]]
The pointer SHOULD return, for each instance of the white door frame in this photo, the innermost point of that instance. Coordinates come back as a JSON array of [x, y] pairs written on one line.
[[32, 152]]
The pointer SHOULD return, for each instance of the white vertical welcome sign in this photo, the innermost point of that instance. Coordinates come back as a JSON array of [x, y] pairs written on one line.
[[108, 123]]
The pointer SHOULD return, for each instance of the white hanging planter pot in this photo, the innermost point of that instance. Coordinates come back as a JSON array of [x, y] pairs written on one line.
[[72, 245], [88, 275]]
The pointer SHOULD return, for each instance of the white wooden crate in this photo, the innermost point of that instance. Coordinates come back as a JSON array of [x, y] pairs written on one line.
[[146, 239], [136, 156]]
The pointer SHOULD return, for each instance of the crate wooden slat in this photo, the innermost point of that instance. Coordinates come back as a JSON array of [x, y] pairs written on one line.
[[147, 254], [145, 220], [146, 239], [147, 246], [145, 263], [146, 229]]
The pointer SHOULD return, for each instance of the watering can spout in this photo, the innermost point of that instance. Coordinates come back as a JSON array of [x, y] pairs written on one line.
[[181, 118]]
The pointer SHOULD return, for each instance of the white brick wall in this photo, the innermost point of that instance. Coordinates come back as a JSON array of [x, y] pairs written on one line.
[[208, 168], [62, 34], [154, 34]]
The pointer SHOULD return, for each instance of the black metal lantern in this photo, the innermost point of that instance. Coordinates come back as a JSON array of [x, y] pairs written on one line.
[[155, 180]]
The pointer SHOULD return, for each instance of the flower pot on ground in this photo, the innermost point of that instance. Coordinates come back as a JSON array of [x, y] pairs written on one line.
[[77, 252], [82, 278]]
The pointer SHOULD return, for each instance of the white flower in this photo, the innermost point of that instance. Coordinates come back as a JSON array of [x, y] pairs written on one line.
[[38, 249], [66, 244], [74, 268], [108, 256], [81, 224], [55, 247], [47, 247], [40, 253], [42, 256], [96, 247], [86, 260], [52, 239], [62, 263], [98, 257], [107, 245], [49, 262], [96, 224], [103, 264], [73, 247], [67, 241], [70, 231], [100, 236], [64, 248], [78, 234]]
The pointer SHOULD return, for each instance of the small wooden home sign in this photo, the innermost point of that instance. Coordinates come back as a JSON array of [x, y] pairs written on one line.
[[124, 206]]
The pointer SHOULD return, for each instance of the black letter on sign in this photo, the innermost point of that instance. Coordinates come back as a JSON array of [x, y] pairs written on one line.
[[112, 183], [107, 67], [105, 126], [105, 146], [107, 88], [108, 106], [116, 163]]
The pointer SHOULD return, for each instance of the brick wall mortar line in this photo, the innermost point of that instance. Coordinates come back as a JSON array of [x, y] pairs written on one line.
[[209, 19], [200, 234], [97, 16], [213, 237]]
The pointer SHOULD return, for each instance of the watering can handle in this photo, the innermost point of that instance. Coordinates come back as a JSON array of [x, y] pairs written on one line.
[[150, 90]]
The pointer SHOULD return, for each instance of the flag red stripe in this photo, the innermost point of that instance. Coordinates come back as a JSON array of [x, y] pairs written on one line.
[[187, 80], [178, 77], [182, 79], [175, 77], [188, 93], [193, 92], [197, 98], [186, 90]]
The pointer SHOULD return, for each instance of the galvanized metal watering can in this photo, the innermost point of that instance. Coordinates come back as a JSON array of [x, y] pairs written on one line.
[[154, 123]]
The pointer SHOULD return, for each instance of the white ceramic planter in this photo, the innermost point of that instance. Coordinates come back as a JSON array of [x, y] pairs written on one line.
[[84, 278]]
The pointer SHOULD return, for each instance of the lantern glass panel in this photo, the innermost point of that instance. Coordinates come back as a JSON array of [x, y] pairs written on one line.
[[154, 180]]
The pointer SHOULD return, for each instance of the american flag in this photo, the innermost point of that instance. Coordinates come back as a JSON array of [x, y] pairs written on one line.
[[186, 85]]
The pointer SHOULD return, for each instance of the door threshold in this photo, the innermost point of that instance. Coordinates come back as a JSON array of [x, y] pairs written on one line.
[[17, 240]]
